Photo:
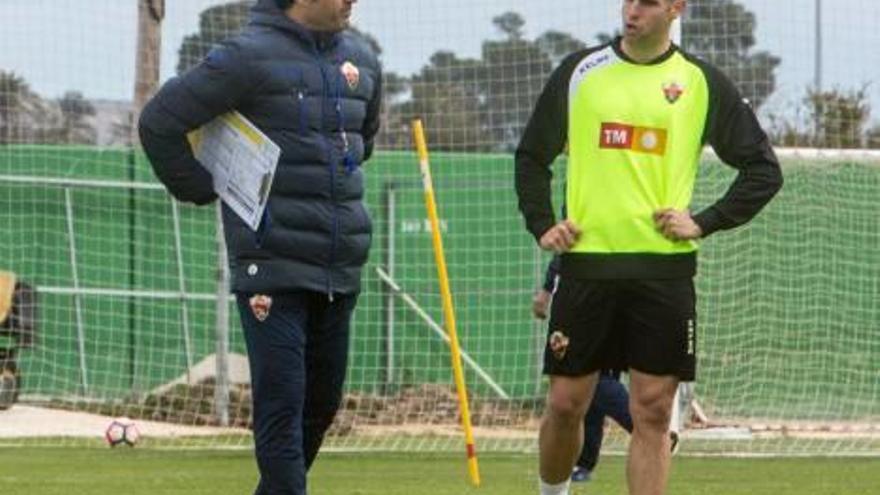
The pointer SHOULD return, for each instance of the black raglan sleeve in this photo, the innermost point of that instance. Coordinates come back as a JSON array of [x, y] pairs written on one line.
[[543, 140], [737, 138]]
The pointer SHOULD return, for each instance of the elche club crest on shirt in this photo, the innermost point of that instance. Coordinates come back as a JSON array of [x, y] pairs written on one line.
[[351, 73], [672, 91]]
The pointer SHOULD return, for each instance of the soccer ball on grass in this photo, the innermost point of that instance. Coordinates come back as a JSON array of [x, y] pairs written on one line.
[[122, 431]]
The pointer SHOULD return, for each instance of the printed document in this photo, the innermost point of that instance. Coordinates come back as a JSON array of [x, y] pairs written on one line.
[[241, 160]]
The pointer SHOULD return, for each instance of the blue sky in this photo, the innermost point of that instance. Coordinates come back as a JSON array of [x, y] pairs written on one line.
[[89, 45]]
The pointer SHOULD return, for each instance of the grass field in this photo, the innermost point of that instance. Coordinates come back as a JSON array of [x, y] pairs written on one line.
[[46, 471]]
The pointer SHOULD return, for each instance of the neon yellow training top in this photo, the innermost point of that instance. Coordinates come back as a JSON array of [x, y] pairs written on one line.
[[635, 133]]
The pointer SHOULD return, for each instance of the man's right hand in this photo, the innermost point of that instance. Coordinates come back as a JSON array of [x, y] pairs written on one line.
[[561, 237]]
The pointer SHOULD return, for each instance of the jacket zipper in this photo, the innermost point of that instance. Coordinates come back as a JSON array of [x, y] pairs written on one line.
[[328, 152]]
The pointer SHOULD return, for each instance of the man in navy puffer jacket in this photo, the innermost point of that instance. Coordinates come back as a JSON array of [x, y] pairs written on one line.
[[315, 91]]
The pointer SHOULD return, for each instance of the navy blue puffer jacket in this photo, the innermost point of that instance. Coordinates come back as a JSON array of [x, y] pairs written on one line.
[[317, 96]]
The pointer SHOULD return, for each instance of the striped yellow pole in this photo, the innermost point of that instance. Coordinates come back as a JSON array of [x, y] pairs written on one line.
[[446, 293]]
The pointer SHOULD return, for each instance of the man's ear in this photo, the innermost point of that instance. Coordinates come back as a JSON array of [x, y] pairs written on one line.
[[678, 8]]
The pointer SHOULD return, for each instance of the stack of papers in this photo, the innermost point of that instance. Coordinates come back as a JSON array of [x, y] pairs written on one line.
[[242, 161]]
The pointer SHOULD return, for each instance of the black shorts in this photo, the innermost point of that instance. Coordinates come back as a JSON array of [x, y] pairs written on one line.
[[646, 325]]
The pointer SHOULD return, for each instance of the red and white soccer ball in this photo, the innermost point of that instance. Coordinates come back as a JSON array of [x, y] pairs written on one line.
[[122, 431]]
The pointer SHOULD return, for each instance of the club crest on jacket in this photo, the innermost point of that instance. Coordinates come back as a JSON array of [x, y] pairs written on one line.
[[260, 306], [352, 74]]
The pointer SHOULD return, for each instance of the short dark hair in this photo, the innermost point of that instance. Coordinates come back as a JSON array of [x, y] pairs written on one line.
[[283, 4]]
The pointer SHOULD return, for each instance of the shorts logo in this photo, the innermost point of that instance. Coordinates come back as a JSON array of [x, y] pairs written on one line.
[[672, 91], [627, 137], [260, 306], [691, 337], [352, 74], [558, 343]]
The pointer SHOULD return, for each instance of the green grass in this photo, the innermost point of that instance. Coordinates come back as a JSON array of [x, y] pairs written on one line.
[[47, 471]]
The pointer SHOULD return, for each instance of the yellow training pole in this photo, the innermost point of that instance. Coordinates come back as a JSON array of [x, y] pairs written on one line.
[[446, 293]]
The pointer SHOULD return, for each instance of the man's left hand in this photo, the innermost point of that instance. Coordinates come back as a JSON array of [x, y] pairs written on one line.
[[676, 225], [540, 303]]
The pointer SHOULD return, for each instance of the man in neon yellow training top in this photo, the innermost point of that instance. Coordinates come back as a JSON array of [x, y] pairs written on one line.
[[635, 114]]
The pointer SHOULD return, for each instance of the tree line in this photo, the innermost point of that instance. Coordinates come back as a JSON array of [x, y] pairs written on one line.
[[481, 104], [25, 117]]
